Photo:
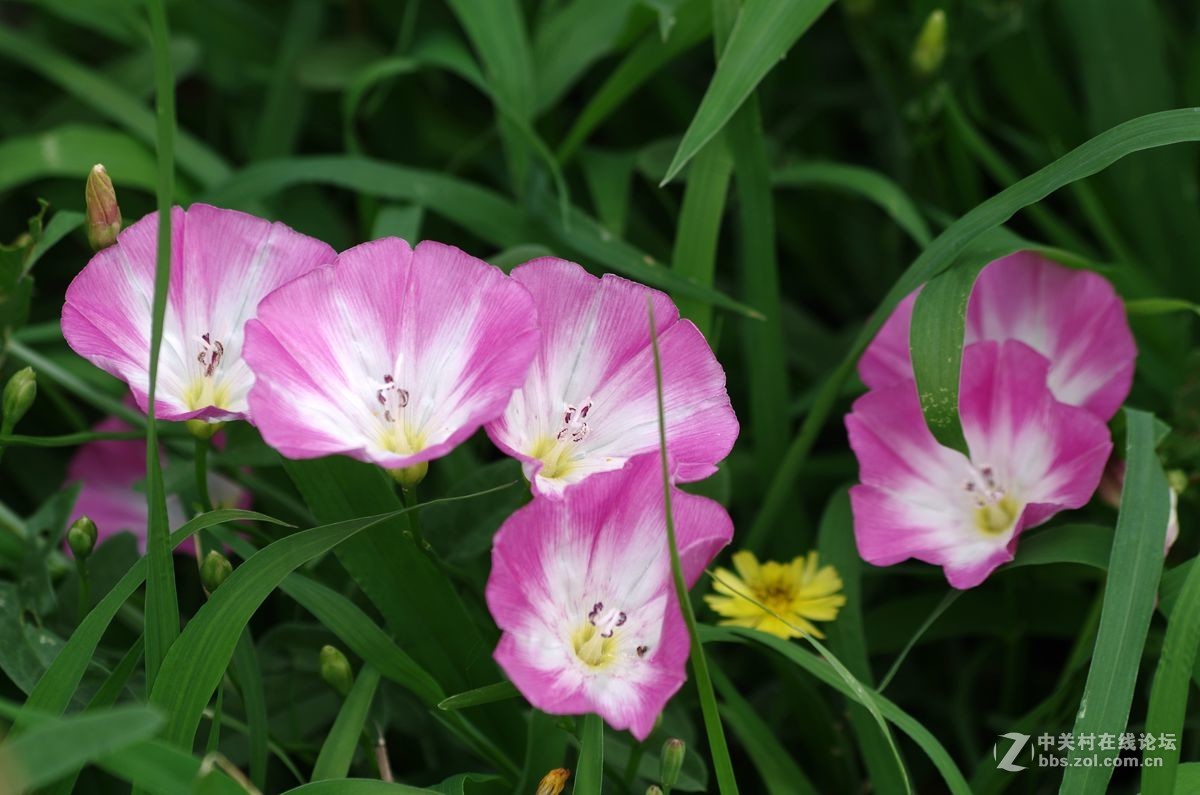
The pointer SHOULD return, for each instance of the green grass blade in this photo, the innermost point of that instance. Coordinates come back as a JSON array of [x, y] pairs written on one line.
[[589, 770], [779, 771], [358, 786], [1172, 680], [54, 749], [1087, 545], [113, 102], [162, 603], [247, 675], [62, 224], [57, 686], [337, 752], [863, 182], [480, 695], [717, 745], [278, 125], [764, 32], [1133, 573], [937, 754], [1146, 132], [572, 37], [695, 253]]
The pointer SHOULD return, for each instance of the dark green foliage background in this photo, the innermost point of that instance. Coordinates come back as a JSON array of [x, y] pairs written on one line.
[[516, 129]]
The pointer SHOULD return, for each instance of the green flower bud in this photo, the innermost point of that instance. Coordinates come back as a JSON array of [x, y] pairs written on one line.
[[1177, 479], [930, 48], [335, 669], [81, 537], [408, 477], [19, 394], [203, 429], [671, 761], [553, 782], [103, 212], [654, 789], [215, 569]]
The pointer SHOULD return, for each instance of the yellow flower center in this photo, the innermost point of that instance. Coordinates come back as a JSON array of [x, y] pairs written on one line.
[[996, 518], [592, 647]]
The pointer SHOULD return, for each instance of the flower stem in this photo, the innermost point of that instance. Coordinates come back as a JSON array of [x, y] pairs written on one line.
[[589, 772], [201, 460], [722, 765], [85, 589]]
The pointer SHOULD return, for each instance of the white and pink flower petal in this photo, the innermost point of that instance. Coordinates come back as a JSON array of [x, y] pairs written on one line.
[[582, 589], [393, 356], [1031, 456], [588, 404], [223, 263]]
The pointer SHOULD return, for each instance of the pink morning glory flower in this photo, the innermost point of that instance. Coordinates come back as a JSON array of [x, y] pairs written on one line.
[[1072, 317], [222, 264], [1031, 456], [588, 403], [582, 589], [393, 356], [111, 472]]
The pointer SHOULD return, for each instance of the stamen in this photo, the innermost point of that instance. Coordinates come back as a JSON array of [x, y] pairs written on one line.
[[392, 398], [574, 427], [210, 354]]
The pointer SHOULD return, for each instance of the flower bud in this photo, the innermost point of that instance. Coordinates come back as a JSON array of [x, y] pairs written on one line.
[[930, 48], [103, 212], [1177, 479], [553, 782], [335, 669], [654, 789], [671, 761], [81, 537], [215, 569], [19, 393], [408, 477], [203, 429]]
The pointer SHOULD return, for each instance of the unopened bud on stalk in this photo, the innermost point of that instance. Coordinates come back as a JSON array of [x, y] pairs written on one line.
[[930, 48], [671, 761], [81, 537], [19, 394], [1177, 479], [553, 782], [335, 669], [654, 789], [408, 477], [103, 212], [215, 569]]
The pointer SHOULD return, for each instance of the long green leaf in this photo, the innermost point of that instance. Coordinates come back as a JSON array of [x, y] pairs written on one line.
[[248, 676], [480, 695], [1146, 132], [162, 603], [1169, 694], [58, 685], [53, 749], [1133, 574], [358, 786], [937, 754], [337, 752], [859, 181], [764, 32], [717, 745], [70, 151], [200, 162], [589, 770]]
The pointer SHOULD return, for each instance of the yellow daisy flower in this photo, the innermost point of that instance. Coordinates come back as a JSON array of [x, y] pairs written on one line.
[[798, 592]]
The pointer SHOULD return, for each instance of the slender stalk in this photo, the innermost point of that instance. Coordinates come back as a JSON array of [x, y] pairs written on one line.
[[162, 603], [201, 461], [214, 730], [589, 773], [85, 588], [722, 765]]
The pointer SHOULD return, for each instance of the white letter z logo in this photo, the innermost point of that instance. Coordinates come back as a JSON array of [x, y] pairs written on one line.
[[1014, 750]]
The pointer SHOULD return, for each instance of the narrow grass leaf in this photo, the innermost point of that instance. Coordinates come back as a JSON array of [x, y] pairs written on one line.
[[1133, 574], [589, 770], [247, 675], [765, 30], [480, 695], [358, 786], [698, 230], [337, 752], [1087, 545]]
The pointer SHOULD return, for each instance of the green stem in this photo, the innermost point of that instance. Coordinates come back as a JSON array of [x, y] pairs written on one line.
[[589, 773], [635, 761], [214, 730], [722, 765], [201, 460], [85, 588]]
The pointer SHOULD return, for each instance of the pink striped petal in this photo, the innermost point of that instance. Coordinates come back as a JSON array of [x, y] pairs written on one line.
[[222, 264], [1031, 456], [566, 570], [1072, 317], [393, 356], [589, 402]]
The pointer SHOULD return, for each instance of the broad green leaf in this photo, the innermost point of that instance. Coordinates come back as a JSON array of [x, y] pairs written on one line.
[[337, 752], [1087, 545], [1129, 593], [858, 181], [1146, 132], [765, 30], [70, 151]]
